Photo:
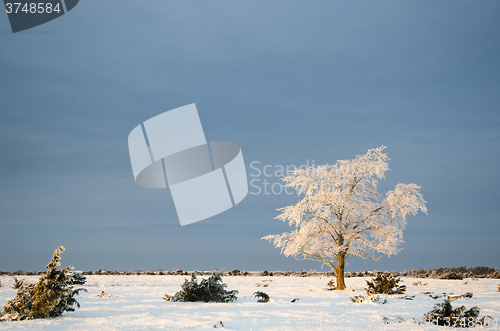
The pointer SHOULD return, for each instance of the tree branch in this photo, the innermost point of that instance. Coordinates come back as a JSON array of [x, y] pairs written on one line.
[[368, 217]]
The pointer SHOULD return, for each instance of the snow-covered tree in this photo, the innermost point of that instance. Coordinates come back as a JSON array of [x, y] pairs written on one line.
[[341, 213], [52, 295]]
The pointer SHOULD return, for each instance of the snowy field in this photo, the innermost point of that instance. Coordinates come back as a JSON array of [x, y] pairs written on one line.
[[135, 303]]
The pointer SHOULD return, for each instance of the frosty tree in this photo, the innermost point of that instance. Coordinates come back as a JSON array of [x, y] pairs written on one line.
[[341, 213]]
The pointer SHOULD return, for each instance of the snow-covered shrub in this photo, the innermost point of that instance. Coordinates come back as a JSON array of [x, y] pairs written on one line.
[[358, 299], [451, 275], [444, 314], [407, 297], [52, 295], [262, 297], [378, 299], [218, 325], [331, 284], [374, 299], [211, 289], [385, 283]]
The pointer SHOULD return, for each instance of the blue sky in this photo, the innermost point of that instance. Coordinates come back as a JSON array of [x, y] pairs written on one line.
[[289, 81]]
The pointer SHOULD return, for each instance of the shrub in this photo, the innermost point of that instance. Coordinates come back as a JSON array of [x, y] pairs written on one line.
[[422, 273], [460, 270], [450, 275], [374, 299], [481, 271], [331, 284], [262, 297], [444, 314], [358, 299], [52, 295], [385, 283], [235, 272], [208, 290]]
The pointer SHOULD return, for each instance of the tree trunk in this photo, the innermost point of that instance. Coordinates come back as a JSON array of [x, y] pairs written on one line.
[[340, 271]]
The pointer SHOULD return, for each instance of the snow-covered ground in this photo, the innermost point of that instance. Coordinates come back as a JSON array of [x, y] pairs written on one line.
[[135, 303]]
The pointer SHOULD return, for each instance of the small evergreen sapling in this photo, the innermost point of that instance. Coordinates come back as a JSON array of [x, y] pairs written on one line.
[[385, 283], [52, 295], [211, 289]]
